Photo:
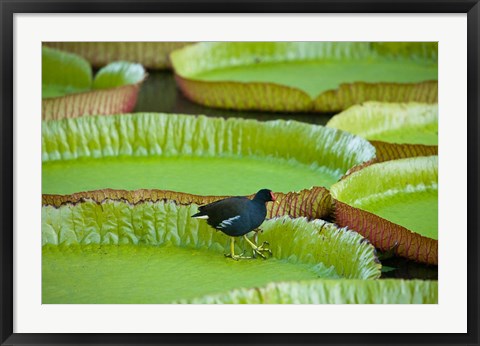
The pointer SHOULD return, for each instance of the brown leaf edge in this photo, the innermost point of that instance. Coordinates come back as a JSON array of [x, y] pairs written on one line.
[[349, 94], [314, 203], [393, 151], [359, 167], [386, 235], [152, 55], [245, 96], [96, 102], [276, 97]]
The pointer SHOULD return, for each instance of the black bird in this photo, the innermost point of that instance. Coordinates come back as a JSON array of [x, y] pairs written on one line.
[[237, 216]]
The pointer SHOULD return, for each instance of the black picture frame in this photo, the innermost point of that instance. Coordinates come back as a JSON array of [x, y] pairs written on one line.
[[9, 8]]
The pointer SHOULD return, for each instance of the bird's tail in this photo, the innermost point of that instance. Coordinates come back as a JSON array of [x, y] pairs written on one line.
[[200, 215]]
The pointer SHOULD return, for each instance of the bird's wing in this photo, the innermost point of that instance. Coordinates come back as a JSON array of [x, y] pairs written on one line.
[[207, 206], [229, 207], [230, 216], [203, 209], [225, 209], [225, 205]]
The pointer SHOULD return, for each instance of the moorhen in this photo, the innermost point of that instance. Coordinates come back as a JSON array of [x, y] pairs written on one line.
[[237, 216]]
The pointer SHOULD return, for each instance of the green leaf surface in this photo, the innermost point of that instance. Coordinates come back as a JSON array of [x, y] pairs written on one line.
[[109, 274], [331, 73], [67, 73], [118, 74], [206, 156], [412, 123], [235, 175], [64, 73], [115, 252], [404, 193], [330, 292], [242, 74]]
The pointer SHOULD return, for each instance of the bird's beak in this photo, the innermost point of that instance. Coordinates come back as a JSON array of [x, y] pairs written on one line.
[[274, 199]]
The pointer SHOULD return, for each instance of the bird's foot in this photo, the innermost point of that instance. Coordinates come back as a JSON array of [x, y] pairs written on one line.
[[237, 257], [262, 250]]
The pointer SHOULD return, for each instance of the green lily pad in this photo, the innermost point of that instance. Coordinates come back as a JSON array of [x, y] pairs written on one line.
[[64, 73], [305, 76], [117, 74], [330, 292], [394, 204], [199, 155], [152, 55], [70, 90], [412, 123], [154, 252], [397, 130]]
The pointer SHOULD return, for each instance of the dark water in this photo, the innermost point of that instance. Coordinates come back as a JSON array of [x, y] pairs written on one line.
[[159, 93], [405, 269]]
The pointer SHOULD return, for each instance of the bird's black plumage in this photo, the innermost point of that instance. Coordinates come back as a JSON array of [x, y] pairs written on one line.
[[236, 216]]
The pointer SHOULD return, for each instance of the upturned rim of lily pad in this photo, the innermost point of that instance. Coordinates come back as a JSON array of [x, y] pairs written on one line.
[[313, 203], [371, 120], [70, 90], [174, 135], [332, 291], [352, 193], [265, 96]]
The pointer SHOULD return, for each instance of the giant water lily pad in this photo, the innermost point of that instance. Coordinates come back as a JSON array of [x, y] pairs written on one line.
[[330, 292], [199, 155], [154, 252], [395, 205], [152, 55], [397, 130], [70, 90], [305, 76]]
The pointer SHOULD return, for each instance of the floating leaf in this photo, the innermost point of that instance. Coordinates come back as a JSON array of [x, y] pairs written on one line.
[[397, 130], [152, 55], [69, 90], [154, 252], [395, 205], [200, 155], [305, 76], [118, 74], [330, 292], [64, 73]]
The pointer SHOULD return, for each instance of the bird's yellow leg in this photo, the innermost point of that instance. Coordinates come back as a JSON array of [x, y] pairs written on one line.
[[255, 236], [258, 249], [255, 240], [232, 251]]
